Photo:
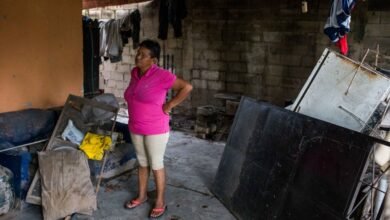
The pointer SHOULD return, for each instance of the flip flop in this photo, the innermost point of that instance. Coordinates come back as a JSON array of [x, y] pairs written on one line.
[[134, 203], [158, 212]]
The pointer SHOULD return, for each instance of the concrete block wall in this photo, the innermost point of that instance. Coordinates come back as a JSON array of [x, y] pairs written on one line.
[[266, 50], [262, 49]]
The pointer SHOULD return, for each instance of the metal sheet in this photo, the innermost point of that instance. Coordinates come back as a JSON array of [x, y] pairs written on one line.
[[279, 164], [324, 94]]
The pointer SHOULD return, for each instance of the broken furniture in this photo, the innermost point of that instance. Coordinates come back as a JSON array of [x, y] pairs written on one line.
[[356, 96], [87, 115], [344, 92], [279, 164]]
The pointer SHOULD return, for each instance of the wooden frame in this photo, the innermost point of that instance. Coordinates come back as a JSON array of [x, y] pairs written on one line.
[[72, 110]]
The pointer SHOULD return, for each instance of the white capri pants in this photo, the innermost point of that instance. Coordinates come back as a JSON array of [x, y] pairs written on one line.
[[150, 149]]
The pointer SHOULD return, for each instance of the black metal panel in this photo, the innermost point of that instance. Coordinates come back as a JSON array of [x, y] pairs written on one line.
[[279, 164]]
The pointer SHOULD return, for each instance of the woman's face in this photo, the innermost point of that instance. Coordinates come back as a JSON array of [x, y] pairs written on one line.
[[143, 60]]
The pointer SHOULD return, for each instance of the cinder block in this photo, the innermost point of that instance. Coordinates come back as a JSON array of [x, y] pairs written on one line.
[[201, 44], [216, 85], [123, 68], [120, 85], [126, 59], [235, 87], [277, 70], [385, 17], [231, 36], [240, 67], [200, 64], [111, 84], [230, 56], [107, 89], [212, 55], [118, 76], [209, 75], [216, 45], [378, 30], [256, 67], [199, 36], [199, 26], [217, 65], [281, 59], [238, 46], [214, 35], [186, 74], [254, 90], [232, 77], [195, 74], [250, 78], [199, 83], [108, 66], [127, 77], [199, 55], [253, 36], [106, 74], [273, 80], [272, 37]]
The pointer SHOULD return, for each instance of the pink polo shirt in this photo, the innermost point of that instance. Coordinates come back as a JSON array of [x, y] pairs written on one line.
[[145, 97]]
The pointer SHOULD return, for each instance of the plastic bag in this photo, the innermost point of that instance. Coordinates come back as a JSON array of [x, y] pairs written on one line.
[[72, 134]]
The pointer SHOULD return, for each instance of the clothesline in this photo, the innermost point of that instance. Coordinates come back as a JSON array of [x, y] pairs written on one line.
[[114, 34]]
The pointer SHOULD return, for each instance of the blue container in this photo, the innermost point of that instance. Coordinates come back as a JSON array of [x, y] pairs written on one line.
[[18, 163]]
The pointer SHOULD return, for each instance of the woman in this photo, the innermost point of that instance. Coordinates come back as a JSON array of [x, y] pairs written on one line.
[[149, 119]]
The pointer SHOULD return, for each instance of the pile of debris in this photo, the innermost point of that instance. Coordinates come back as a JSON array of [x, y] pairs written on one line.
[[84, 147], [214, 122]]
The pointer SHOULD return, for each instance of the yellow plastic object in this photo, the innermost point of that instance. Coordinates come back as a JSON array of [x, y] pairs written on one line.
[[94, 145]]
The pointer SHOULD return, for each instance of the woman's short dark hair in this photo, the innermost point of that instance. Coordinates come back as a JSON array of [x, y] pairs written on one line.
[[153, 46]]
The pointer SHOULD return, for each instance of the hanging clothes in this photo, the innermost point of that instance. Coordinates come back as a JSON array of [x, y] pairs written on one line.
[[91, 57], [114, 34], [171, 12], [131, 27], [338, 23], [111, 45]]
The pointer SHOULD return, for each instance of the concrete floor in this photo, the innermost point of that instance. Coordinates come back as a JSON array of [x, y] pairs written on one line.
[[191, 165]]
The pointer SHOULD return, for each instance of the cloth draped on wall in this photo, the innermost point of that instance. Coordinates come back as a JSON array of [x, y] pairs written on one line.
[[338, 23], [114, 34], [171, 12], [91, 56]]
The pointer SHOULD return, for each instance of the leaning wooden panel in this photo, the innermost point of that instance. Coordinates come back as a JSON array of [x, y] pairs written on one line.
[[78, 110]]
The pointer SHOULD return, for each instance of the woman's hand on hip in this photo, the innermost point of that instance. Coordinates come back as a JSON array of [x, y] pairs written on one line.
[[167, 108]]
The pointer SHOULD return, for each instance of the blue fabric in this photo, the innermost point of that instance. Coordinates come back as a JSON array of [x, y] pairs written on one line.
[[339, 19], [26, 126]]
